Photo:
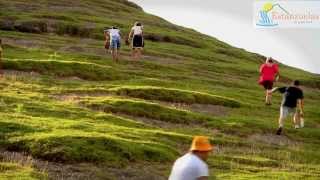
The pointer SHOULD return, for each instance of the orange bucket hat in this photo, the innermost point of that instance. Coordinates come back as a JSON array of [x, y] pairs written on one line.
[[201, 143]]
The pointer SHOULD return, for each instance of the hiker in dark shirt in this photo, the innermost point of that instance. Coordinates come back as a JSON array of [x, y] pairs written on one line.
[[292, 97]]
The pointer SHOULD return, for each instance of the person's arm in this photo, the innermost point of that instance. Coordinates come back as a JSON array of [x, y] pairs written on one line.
[[274, 89], [277, 76], [261, 68], [203, 178], [300, 103], [142, 31], [130, 34], [281, 90]]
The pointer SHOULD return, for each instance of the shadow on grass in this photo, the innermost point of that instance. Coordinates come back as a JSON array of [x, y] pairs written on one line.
[[175, 95], [9, 128], [146, 109], [83, 70], [94, 149]]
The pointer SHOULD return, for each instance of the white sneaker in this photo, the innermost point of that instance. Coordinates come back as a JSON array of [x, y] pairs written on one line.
[[296, 126]]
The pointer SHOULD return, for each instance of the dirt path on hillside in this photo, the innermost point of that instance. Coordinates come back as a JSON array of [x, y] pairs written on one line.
[[78, 96], [157, 123], [86, 171], [273, 139], [211, 110], [86, 48], [54, 170], [214, 110], [23, 43], [15, 75], [20, 73]]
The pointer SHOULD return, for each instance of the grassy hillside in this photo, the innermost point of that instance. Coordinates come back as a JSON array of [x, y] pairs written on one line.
[[77, 115]]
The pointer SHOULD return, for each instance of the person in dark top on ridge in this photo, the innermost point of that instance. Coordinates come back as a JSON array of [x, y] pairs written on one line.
[[292, 97]]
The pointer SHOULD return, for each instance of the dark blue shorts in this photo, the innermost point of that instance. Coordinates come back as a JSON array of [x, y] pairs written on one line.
[[115, 43]]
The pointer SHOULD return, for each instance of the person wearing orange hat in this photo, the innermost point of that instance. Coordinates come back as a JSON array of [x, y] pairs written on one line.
[[192, 166]]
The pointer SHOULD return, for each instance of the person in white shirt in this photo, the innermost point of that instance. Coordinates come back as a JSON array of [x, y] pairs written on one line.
[[192, 166], [113, 42], [137, 43]]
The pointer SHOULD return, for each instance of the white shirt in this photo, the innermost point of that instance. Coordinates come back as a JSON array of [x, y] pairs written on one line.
[[137, 30], [114, 33], [189, 167]]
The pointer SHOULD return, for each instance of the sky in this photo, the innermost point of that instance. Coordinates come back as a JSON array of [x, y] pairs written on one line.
[[231, 21]]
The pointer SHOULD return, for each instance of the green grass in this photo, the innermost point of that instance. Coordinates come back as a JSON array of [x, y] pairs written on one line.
[[145, 109], [16, 171], [78, 146], [82, 70], [79, 108], [174, 95]]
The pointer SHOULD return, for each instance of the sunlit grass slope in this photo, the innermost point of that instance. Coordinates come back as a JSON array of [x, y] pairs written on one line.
[[63, 101]]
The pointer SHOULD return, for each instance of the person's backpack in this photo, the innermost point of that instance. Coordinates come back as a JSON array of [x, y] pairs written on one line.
[[107, 45], [127, 40]]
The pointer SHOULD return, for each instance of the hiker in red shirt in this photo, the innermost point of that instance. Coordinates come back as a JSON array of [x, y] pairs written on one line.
[[269, 73]]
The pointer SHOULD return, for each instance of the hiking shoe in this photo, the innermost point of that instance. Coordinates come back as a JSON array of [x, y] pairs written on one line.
[[279, 131]]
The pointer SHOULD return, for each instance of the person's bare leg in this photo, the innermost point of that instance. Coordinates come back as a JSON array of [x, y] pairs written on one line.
[[117, 55], [281, 121], [301, 122], [279, 131], [269, 96], [133, 54], [268, 102], [138, 54], [114, 54], [296, 120]]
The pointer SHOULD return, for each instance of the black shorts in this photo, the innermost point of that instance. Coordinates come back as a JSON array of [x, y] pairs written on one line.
[[267, 84], [137, 41]]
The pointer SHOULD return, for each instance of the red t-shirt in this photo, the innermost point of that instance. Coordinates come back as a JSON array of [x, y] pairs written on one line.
[[268, 73]]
